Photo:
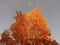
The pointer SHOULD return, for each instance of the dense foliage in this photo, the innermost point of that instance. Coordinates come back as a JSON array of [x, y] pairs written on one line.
[[29, 29]]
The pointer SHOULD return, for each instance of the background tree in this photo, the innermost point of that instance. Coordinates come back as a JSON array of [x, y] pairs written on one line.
[[6, 39]]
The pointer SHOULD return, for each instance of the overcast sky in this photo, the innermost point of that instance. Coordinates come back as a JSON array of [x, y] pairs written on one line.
[[51, 12]]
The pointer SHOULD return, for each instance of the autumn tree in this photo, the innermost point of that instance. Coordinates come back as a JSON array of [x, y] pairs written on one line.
[[29, 29], [19, 27], [38, 28], [6, 39]]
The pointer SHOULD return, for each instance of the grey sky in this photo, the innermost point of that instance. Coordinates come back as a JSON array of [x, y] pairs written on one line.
[[51, 12]]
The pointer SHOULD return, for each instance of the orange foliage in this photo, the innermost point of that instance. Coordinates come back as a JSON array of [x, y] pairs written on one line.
[[30, 28], [29, 25]]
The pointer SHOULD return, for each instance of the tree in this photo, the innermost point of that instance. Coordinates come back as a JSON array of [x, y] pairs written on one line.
[[18, 28], [38, 29], [29, 29], [6, 39]]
